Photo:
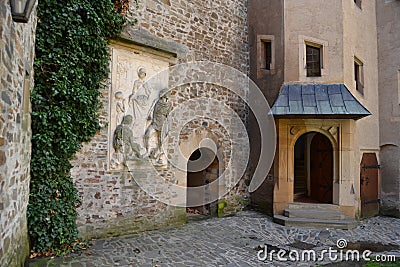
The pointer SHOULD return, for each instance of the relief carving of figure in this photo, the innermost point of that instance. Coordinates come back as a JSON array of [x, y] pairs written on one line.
[[120, 107], [153, 138], [140, 95], [123, 143]]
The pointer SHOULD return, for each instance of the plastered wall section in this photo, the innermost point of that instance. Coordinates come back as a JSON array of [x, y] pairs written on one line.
[[344, 31], [317, 22], [388, 21], [360, 40]]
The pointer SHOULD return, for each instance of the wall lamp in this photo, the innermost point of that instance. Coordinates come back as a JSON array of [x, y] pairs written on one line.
[[21, 10]]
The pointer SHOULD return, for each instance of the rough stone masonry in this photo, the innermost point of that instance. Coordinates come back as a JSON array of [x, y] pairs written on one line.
[[173, 32], [16, 78]]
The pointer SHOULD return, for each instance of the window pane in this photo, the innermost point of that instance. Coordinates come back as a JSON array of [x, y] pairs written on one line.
[[358, 77], [356, 72], [268, 55], [313, 61]]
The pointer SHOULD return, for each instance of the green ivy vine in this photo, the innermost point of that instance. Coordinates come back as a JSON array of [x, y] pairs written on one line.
[[72, 62]]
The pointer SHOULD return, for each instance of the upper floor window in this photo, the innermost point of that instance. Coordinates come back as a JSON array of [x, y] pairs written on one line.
[[313, 60], [358, 3], [265, 55], [267, 60], [359, 75]]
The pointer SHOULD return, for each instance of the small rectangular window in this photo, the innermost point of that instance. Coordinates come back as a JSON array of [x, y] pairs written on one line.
[[358, 3], [313, 61], [359, 75], [268, 54], [265, 55]]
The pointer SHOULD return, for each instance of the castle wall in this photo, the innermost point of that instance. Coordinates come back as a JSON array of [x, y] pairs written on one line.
[[388, 17], [265, 21], [16, 77], [343, 32], [360, 35], [167, 33], [319, 23]]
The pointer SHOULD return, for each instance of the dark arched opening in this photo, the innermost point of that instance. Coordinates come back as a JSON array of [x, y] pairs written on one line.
[[202, 178], [313, 169]]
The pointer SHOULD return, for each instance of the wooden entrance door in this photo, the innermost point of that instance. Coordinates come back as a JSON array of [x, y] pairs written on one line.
[[321, 169], [369, 185]]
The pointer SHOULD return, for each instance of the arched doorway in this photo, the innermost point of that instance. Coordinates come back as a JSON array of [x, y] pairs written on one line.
[[202, 177], [313, 169]]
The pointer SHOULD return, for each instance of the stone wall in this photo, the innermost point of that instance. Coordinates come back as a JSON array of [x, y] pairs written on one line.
[[172, 32], [388, 20], [16, 74], [214, 30]]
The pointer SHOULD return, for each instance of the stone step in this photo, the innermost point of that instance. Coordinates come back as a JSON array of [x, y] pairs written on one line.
[[345, 224], [315, 214], [312, 206], [301, 193]]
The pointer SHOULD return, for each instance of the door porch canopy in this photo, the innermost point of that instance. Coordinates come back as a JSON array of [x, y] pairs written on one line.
[[319, 101]]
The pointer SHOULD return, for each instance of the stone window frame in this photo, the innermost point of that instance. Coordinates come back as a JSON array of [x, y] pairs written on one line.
[[358, 76], [262, 71], [311, 41]]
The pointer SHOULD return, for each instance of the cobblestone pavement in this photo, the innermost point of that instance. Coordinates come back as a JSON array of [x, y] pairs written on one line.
[[230, 241]]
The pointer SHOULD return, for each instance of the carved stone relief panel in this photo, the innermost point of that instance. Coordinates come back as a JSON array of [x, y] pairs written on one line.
[[136, 110]]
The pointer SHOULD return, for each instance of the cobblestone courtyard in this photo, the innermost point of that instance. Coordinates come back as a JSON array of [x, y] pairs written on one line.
[[230, 241]]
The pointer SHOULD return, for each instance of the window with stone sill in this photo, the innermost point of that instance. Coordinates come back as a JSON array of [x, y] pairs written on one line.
[[265, 54]]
